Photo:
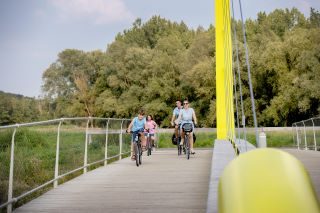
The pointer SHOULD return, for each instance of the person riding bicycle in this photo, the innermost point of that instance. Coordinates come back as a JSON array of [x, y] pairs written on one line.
[[138, 124], [175, 116], [151, 125], [186, 115]]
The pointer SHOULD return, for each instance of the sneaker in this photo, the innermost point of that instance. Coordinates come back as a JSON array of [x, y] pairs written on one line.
[[133, 158], [192, 152]]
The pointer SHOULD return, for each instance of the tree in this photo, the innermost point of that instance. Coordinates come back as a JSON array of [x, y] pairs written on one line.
[[152, 64], [314, 17]]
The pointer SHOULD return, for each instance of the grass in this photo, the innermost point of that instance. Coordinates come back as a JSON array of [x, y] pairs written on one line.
[[206, 139], [275, 139], [203, 140], [280, 139]]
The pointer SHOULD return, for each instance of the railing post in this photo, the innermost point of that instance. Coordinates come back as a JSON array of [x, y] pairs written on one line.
[[10, 189], [120, 141], [305, 136], [298, 138], [106, 145], [56, 168], [314, 136], [85, 160], [293, 134]]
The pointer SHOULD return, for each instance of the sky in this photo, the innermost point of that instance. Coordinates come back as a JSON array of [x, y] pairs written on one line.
[[33, 32]]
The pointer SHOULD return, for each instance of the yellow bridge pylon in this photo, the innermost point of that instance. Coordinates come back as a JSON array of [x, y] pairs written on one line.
[[224, 80]]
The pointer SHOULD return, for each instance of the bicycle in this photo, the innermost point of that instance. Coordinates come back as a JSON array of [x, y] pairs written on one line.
[[177, 141], [187, 128], [137, 148], [149, 143]]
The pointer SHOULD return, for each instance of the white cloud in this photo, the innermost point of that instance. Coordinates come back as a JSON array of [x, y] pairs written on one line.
[[100, 11]]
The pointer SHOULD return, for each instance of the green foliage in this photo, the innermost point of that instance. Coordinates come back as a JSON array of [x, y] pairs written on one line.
[[284, 59], [153, 64], [314, 17], [17, 109], [203, 140]]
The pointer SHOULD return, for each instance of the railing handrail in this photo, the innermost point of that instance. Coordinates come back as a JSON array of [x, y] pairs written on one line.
[[295, 123], [59, 121]]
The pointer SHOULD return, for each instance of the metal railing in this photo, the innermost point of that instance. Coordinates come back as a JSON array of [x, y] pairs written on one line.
[[306, 134], [35, 155]]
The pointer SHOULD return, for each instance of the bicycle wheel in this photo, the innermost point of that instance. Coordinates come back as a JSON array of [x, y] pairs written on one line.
[[136, 153], [140, 153], [149, 150], [187, 147], [184, 147], [148, 144], [179, 147]]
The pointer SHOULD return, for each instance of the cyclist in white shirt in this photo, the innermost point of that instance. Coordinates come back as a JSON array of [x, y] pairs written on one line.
[[187, 115]]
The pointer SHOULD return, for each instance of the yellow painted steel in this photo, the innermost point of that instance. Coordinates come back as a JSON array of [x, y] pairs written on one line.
[[224, 82], [266, 180]]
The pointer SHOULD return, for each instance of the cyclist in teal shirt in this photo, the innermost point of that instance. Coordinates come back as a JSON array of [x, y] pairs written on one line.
[[138, 124]]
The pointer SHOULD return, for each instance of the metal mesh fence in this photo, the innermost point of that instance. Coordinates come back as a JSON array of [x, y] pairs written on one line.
[[306, 134], [34, 159], [72, 146], [126, 138], [54, 151]]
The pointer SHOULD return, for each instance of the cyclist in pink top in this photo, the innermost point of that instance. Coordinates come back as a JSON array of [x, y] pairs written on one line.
[[151, 125]]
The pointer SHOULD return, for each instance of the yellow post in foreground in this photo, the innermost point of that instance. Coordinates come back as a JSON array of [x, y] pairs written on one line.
[[266, 181], [224, 82]]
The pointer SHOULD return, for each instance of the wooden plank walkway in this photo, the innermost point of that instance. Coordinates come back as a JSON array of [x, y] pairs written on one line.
[[165, 182], [311, 161]]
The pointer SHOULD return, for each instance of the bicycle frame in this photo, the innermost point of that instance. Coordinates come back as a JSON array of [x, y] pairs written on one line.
[[187, 134], [187, 144], [137, 149]]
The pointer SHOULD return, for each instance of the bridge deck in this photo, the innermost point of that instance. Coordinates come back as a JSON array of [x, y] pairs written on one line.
[[164, 183], [311, 161]]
